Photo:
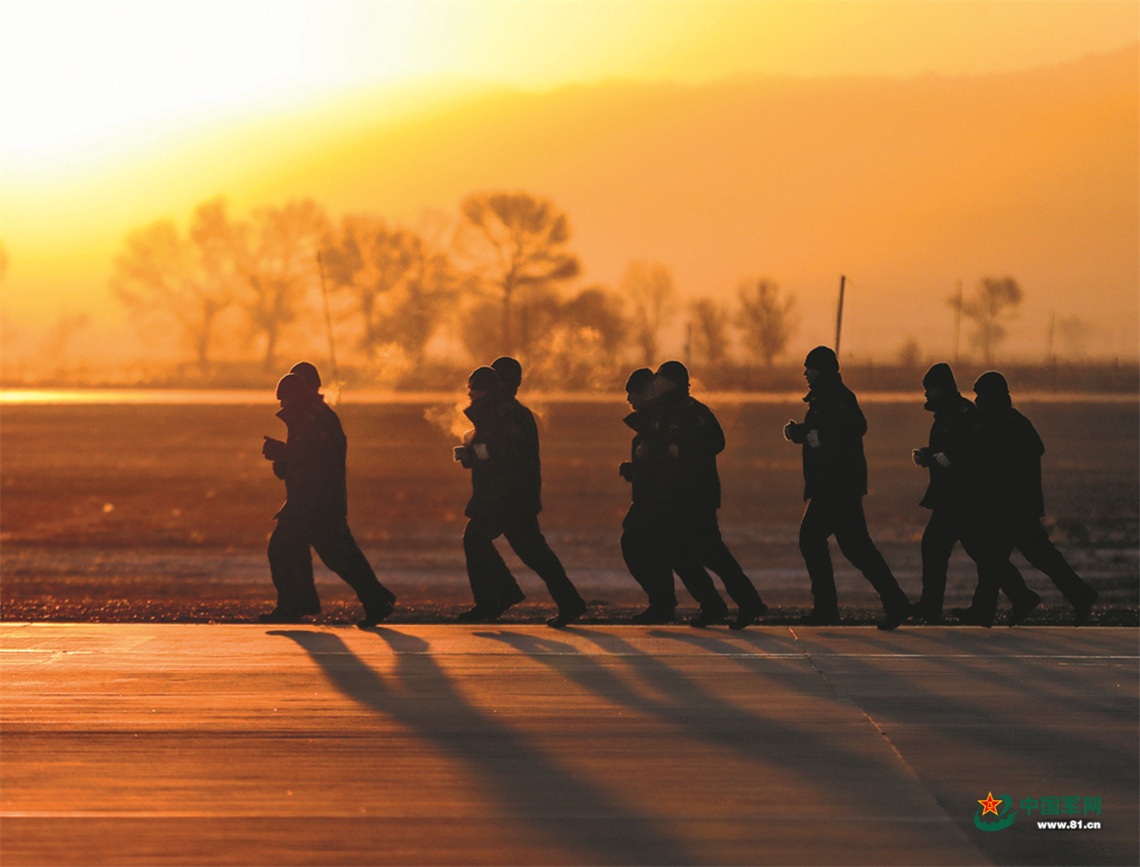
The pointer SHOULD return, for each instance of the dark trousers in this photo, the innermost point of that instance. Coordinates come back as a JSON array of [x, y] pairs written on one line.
[[1030, 537], [291, 564], [698, 544], [987, 542], [653, 550], [843, 518], [642, 547], [492, 583]]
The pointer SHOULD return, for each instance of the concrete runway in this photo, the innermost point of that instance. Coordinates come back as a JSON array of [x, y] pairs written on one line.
[[196, 744]]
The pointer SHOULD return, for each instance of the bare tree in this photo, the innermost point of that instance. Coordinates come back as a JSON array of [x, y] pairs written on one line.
[[369, 260], [280, 268], [765, 318], [708, 321], [598, 309], [543, 313], [418, 306], [651, 289], [993, 298], [163, 275], [518, 244]]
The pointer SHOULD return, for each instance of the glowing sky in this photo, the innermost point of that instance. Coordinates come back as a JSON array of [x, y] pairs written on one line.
[[70, 69], [95, 97]]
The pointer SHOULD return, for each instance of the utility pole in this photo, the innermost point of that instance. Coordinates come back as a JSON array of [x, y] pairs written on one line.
[[839, 314]]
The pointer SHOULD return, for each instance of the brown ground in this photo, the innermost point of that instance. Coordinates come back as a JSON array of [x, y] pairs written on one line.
[[160, 513]]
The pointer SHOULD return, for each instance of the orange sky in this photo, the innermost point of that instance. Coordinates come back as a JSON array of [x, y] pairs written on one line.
[[115, 114]]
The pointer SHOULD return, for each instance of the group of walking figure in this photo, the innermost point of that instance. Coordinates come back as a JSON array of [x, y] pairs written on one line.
[[983, 458]]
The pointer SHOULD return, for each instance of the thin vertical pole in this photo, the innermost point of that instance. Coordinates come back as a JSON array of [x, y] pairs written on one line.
[[839, 313]]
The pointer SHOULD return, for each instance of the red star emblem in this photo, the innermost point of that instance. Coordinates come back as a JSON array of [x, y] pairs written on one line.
[[990, 804]]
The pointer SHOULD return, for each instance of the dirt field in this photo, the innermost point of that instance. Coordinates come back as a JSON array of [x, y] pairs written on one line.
[[161, 512]]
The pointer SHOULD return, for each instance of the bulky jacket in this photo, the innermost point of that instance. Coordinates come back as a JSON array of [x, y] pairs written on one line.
[[503, 456], [954, 433], [682, 440], [313, 463], [837, 467], [1010, 463]]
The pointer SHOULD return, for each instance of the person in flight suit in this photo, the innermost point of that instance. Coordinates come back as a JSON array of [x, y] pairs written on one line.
[[952, 460], [311, 461], [502, 454], [685, 440], [1012, 451], [835, 482]]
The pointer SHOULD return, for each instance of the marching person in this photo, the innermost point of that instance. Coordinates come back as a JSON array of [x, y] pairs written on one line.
[[1012, 451], [954, 497], [641, 537], [835, 482], [686, 438], [502, 454], [311, 461], [645, 544]]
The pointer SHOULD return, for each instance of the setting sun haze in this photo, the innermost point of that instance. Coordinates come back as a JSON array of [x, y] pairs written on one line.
[[117, 114]]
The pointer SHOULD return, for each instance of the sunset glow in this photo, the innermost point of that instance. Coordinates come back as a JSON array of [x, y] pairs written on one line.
[[74, 70], [117, 114]]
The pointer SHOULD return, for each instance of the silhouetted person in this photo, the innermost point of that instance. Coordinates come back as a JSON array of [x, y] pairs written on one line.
[[641, 537], [502, 453], [1012, 451], [835, 482], [685, 440], [954, 497], [645, 545], [312, 463]]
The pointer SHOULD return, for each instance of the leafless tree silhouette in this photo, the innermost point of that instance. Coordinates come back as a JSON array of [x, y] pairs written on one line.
[[280, 268], [163, 275], [397, 282], [993, 298], [709, 321], [765, 318], [517, 243], [651, 288]]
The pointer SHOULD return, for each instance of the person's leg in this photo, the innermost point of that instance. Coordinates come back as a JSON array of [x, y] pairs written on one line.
[[715, 555], [291, 567], [338, 550], [938, 541], [699, 584], [1032, 540], [483, 562], [526, 539], [989, 541], [815, 530], [679, 537], [855, 542], [646, 559]]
